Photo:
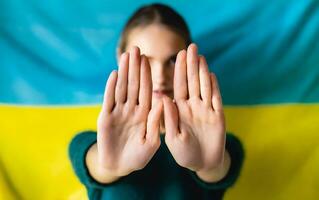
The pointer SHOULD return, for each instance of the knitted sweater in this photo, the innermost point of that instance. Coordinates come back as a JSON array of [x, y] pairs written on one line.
[[162, 178]]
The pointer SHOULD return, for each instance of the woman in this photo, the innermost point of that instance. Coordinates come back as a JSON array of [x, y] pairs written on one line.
[[161, 130]]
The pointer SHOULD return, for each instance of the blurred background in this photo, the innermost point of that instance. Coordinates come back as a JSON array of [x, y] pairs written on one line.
[[56, 55]]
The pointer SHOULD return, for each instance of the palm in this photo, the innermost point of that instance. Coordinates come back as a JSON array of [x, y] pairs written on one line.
[[124, 144], [195, 123], [128, 133]]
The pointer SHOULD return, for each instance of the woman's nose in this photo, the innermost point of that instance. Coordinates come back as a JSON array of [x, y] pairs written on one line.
[[158, 74]]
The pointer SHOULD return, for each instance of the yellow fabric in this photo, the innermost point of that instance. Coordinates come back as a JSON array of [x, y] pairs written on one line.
[[281, 144], [5, 192]]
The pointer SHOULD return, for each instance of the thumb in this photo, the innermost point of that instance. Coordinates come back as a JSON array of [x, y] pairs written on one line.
[[153, 123], [170, 118]]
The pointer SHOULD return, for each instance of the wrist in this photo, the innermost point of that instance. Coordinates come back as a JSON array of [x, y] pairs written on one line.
[[218, 173], [96, 170]]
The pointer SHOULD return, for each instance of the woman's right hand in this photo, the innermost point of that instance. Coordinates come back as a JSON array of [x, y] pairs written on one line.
[[127, 126]]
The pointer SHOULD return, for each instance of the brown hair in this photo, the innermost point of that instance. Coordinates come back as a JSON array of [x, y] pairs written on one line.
[[155, 13]]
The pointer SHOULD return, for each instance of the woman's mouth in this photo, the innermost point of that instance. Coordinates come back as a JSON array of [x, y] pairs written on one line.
[[161, 93]]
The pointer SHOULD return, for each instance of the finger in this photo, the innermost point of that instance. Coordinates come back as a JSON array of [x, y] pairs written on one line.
[[109, 94], [145, 93], [216, 96], [121, 86], [153, 123], [133, 76], [205, 82], [180, 76], [170, 118], [192, 71]]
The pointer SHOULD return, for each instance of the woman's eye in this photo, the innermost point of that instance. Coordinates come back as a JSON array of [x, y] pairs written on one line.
[[172, 60]]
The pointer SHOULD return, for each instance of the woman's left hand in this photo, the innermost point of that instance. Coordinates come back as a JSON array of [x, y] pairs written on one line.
[[194, 121]]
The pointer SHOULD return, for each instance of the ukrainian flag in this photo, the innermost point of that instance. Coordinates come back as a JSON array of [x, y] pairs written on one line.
[[55, 57]]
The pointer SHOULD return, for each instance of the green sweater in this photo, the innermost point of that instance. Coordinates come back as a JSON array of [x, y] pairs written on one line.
[[162, 178]]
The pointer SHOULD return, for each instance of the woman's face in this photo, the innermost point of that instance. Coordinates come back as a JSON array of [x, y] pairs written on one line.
[[160, 45]]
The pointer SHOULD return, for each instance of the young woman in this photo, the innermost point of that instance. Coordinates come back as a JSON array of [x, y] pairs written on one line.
[[161, 130]]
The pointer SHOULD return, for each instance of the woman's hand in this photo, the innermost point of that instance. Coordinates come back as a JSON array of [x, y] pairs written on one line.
[[128, 128], [194, 123]]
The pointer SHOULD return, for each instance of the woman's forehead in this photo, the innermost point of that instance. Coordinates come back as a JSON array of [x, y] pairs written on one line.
[[156, 41]]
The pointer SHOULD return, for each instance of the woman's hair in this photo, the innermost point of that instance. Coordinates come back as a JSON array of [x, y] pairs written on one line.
[[155, 13]]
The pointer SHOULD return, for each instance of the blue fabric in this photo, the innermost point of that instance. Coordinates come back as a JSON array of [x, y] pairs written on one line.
[[61, 52]]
